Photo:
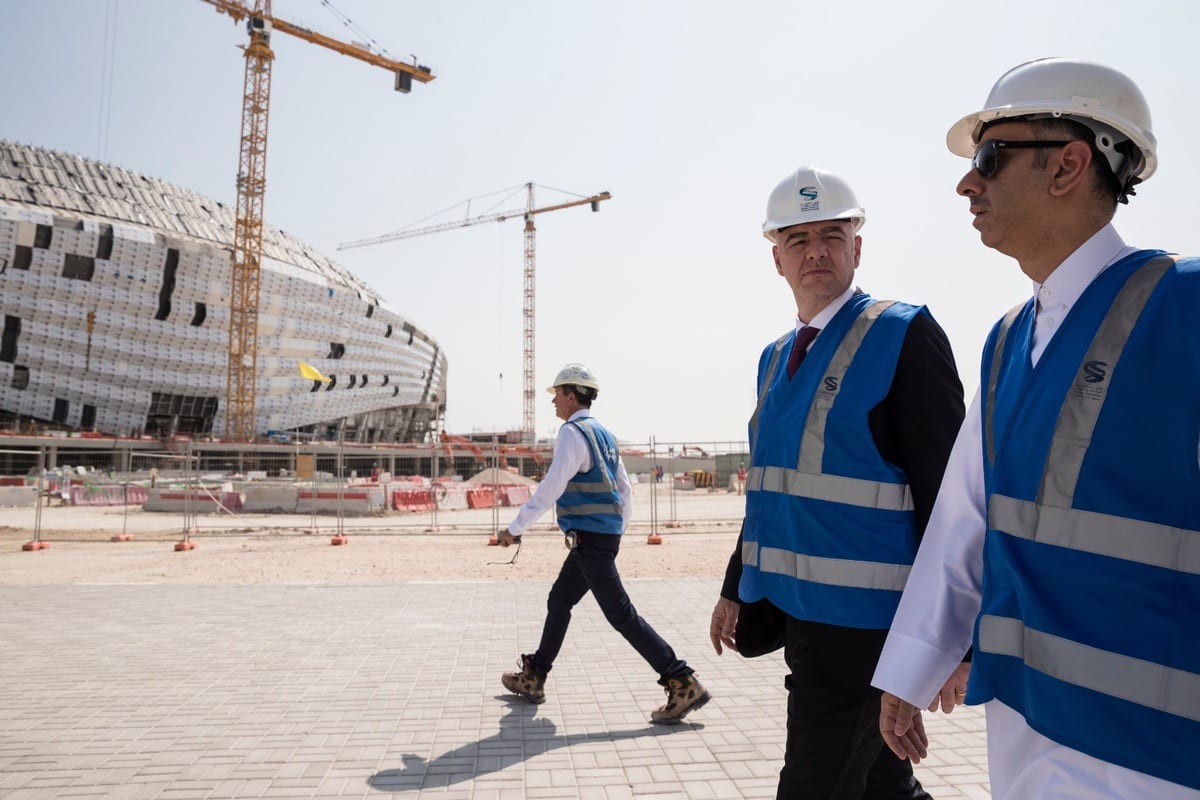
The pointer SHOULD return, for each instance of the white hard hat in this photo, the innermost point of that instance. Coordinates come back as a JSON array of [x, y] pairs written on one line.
[[811, 195], [576, 374], [1097, 96]]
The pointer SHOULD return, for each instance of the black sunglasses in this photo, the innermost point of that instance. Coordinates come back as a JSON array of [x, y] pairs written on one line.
[[987, 157]]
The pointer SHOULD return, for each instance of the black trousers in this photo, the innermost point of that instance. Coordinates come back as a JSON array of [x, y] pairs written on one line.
[[834, 750], [591, 566]]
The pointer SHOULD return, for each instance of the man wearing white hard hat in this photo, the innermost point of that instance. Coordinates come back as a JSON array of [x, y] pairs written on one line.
[[588, 483], [1065, 543], [857, 410]]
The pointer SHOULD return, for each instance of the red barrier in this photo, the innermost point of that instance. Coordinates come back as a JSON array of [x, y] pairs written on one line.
[[482, 497], [108, 495], [231, 501], [413, 500], [514, 495]]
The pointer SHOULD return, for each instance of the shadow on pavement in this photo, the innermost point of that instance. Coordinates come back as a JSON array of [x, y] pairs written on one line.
[[522, 735]]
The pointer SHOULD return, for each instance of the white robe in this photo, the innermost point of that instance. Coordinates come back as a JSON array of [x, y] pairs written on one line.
[[933, 625]]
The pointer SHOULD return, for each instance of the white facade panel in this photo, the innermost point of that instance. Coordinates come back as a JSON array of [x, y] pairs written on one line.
[[149, 260]]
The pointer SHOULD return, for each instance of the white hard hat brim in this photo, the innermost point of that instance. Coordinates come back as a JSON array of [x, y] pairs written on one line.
[[856, 215]]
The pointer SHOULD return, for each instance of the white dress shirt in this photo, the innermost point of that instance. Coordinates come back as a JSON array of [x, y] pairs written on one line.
[[933, 625], [572, 455]]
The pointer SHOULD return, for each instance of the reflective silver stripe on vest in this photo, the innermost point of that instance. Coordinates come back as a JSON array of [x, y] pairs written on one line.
[[1146, 683], [771, 367], [834, 488], [994, 378], [812, 442], [590, 508], [1081, 408], [1103, 534], [828, 571]]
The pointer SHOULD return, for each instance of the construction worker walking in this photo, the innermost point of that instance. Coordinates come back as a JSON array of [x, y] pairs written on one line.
[[588, 482]]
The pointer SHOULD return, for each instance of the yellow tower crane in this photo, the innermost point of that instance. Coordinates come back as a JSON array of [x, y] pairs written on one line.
[[528, 409], [241, 377]]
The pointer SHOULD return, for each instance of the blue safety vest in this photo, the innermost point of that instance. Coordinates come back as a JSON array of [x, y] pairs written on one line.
[[591, 501], [1090, 616], [830, 533]]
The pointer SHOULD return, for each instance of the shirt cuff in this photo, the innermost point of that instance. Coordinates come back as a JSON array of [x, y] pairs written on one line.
[[912, 669]]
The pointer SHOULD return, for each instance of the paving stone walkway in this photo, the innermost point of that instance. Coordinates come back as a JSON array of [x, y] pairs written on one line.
[[156, 691]]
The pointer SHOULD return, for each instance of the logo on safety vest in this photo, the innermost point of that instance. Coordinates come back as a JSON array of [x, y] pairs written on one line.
[[1094, 371], [831, 383]]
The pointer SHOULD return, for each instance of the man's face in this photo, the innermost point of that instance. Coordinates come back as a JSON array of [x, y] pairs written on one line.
[[565, 403], [1010, 208], [817, 259]]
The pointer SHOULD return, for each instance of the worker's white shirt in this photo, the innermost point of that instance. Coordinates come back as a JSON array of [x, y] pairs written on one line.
[[572, 455], [933, 625]]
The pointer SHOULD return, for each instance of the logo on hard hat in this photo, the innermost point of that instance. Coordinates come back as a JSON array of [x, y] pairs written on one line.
[[811, 199]]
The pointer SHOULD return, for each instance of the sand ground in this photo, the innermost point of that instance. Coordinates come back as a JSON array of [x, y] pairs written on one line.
[[266, 549]]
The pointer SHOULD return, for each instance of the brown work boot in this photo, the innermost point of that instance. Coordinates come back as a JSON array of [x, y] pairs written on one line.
[[528, 683], [684, 694]]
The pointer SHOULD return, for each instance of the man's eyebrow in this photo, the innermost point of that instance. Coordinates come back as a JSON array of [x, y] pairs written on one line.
[[819, 232]]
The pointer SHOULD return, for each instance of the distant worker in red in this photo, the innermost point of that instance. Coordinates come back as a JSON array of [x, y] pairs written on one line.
[[588, 482]]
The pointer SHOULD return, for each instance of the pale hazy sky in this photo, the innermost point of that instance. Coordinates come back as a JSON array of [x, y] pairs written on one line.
[[688, 112]]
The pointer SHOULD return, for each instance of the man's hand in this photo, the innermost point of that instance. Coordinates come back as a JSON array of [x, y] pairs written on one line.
[[507, 538], [902, 729], [954, 691], [724, 624]]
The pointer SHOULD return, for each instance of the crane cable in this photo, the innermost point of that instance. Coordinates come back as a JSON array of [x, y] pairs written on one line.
[[511, 191], [354, 28], [104, 116]]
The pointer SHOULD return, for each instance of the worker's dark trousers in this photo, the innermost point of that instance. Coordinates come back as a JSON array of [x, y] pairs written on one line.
[[834, 750], [592, 566]]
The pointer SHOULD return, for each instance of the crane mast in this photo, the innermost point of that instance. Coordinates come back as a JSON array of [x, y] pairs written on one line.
[[242, 372], [241, 387], [528, 309], [528, 410]]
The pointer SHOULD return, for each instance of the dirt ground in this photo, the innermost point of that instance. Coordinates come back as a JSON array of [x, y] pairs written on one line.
[[265, 555]]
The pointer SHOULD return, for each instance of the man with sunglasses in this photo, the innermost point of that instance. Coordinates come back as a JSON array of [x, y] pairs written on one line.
[[857, 410], [1065, 542]]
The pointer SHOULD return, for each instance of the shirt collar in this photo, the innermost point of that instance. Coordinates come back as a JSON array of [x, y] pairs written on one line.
[[826, 314], [580, 414], [1067, 282]]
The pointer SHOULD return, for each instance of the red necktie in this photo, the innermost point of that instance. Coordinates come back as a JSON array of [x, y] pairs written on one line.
[[800, 344]]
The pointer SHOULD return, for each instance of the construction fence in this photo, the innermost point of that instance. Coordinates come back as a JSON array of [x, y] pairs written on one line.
[[446, 487]]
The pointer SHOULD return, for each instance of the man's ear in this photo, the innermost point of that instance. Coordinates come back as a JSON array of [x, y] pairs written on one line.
[[1071, 168], [775, 255]]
